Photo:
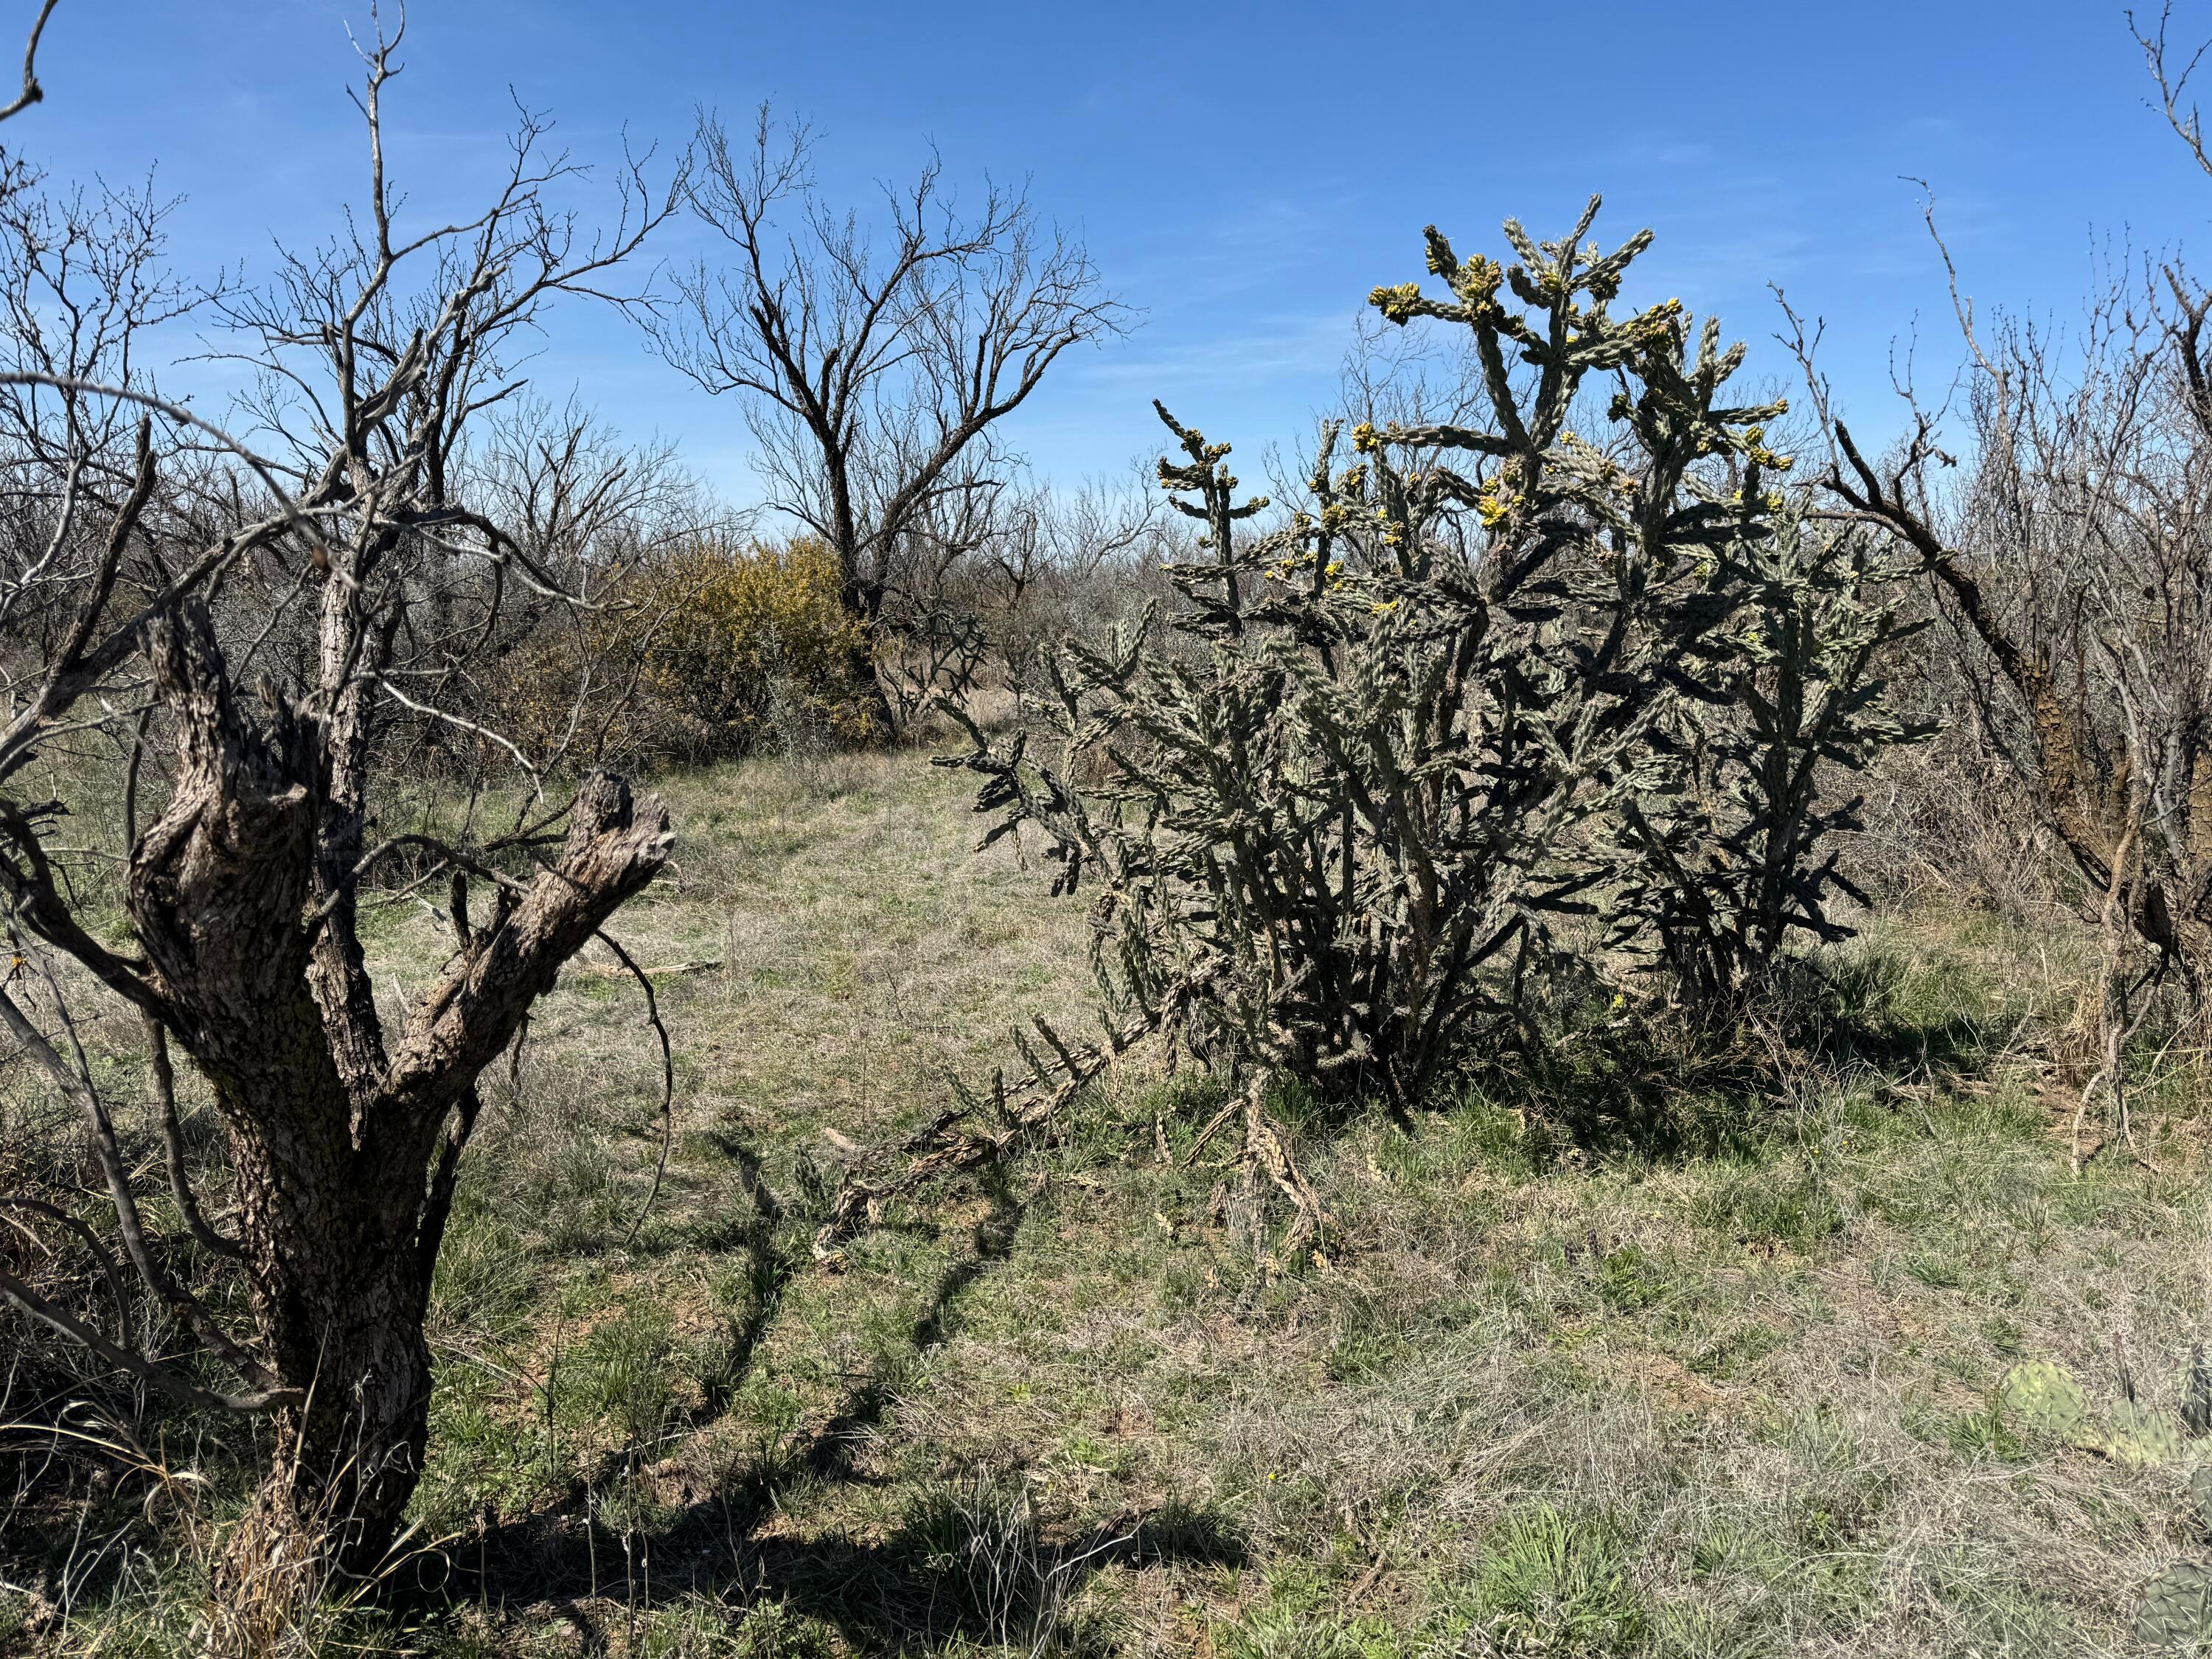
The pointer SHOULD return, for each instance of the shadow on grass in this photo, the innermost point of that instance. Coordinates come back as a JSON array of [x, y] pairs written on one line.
[[882, 1597], [1656, 1085], [901, 1594]]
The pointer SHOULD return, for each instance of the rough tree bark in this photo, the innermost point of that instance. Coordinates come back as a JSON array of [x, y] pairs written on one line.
[[340, 1195], [361, 547]]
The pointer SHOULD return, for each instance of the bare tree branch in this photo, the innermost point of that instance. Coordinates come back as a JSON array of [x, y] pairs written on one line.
[[32, 92]]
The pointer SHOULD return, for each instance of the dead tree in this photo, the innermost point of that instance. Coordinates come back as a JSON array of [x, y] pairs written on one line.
[[872, 375], [2065, 531], [2059, 509], [184, 555]]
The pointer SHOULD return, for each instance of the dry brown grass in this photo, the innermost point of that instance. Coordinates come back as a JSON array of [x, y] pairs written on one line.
[[1725, 1393]]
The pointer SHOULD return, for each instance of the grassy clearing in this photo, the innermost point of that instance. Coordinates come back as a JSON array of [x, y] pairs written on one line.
[[1560, 1393]]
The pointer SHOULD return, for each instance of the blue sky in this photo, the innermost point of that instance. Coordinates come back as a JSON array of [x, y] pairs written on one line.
[[1242, 174]]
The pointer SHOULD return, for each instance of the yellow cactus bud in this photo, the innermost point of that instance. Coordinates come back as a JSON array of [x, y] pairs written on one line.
[[1396, 303]]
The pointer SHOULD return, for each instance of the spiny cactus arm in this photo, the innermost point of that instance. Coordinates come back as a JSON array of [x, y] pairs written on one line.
[[1480, 935], [1203, 473], [1683, 388], [1017, 790], [1752, 413], [1550, 280], [1215, 487], [1475, 281], [1438, 435], [1601, 277], [1498, 381], [1202, 455], [1598, 482], [1715, 363], [1441, 487], [1310, 539], [942, 1147], [1519, 237]]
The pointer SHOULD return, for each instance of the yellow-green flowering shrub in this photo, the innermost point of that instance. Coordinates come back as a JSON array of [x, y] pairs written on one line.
[[713, 650], [729, 641]]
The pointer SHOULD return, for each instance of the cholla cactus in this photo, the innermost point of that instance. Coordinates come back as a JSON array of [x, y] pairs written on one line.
[[1738, 852], [1352, 800]]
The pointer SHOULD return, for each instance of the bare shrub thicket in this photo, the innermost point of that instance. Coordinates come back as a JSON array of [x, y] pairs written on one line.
[[2059, 505], [557, 671], [702, 640], [244, 626], [973, 603], [873, 375]]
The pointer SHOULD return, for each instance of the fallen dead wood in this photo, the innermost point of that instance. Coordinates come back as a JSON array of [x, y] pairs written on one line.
[[945, 1146], [952, 1143], [616, 970]]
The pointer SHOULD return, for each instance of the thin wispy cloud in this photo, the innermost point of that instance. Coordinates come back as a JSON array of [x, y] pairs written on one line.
[[1241, 180]]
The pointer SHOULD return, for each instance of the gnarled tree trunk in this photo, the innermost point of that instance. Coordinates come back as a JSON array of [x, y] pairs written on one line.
[[345, 1153], [361, 533]]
